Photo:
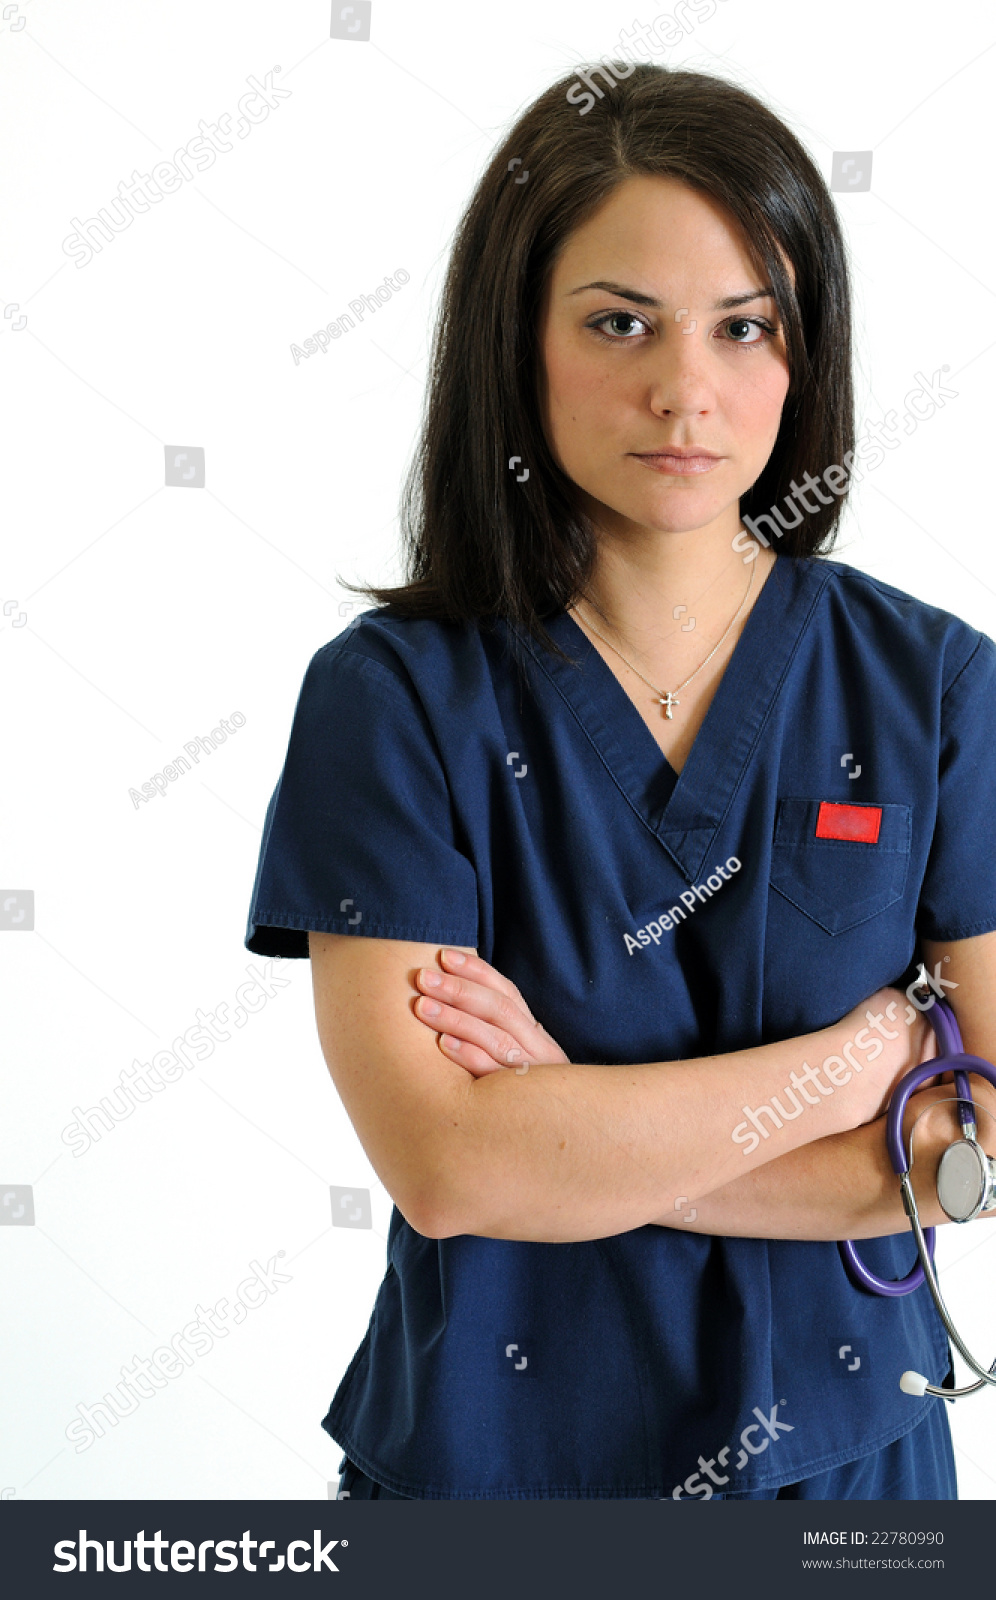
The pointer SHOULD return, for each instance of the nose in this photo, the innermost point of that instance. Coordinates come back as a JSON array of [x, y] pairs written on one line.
[[681, 384]]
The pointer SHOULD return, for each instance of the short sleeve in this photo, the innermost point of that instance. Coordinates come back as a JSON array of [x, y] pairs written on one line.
[[360, 835], [958, 897]]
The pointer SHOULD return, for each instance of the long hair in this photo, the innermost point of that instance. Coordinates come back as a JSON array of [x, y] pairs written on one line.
[[477, 543]]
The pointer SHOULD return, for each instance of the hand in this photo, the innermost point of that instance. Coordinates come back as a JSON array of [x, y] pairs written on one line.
[[931, 1122], [914, 1042], [917, 1042], [488, 1024]]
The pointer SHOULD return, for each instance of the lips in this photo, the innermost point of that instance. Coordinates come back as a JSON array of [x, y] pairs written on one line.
[[684, 461], [681, 450]]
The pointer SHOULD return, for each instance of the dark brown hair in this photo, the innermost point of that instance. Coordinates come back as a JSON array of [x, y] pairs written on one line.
[[477, 543]]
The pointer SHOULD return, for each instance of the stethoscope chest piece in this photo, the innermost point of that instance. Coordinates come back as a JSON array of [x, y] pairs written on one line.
[[966, 1180]]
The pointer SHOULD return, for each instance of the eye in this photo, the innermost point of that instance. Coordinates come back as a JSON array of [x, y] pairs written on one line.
[[623, 327], [624, 334], [741, 327]]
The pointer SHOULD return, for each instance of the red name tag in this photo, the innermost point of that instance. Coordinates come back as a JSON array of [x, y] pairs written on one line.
[[861, 823]]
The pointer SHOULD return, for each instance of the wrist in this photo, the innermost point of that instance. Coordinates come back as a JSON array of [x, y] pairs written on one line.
[[852, 1073], [933, 1114], [875, 1042]]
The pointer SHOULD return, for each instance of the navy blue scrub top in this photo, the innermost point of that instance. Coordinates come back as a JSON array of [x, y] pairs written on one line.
[[428, 795]]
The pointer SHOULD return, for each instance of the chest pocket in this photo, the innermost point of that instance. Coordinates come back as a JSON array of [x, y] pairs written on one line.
[[839, 883]]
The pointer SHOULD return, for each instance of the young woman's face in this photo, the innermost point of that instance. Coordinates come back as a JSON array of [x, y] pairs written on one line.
[[655, 357]]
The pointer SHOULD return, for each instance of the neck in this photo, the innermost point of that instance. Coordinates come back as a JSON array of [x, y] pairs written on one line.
[[642, 578]]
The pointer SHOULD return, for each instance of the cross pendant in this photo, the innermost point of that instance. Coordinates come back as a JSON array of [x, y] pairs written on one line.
[[667, 702]]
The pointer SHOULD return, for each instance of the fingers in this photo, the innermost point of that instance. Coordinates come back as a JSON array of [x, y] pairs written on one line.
[[478, 998], [485, 1012], [475, 969], [495, 1043], [477, 1062]]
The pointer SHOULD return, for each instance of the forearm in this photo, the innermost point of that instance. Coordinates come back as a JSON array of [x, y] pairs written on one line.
[[840, 1187], [572, 1152]]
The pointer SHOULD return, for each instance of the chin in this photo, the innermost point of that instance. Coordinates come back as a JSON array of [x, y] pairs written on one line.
[[680, 513]]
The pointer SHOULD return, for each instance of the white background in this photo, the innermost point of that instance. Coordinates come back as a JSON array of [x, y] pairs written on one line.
[[152, 612]]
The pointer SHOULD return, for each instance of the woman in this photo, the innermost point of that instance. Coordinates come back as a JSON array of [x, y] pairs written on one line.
[[698, 800]]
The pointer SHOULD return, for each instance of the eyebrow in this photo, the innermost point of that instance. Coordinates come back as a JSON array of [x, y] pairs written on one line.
[[638, 299]]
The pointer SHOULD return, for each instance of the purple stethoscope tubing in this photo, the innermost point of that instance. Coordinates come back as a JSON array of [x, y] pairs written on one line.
[[951, 1057]]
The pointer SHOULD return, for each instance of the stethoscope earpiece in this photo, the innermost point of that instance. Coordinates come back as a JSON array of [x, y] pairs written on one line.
[[914, 1383]]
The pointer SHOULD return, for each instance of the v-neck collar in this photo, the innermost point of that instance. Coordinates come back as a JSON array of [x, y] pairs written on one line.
[[685, 810]]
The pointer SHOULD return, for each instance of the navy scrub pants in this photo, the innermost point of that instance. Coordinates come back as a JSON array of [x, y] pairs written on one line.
[[919, 1466]]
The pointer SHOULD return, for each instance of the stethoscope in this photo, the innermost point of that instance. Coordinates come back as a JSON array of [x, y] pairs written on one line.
[[966, 1186]]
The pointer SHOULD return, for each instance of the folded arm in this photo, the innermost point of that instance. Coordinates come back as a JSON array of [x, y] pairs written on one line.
[[843, 1187], [836, 1186], [559, 1151]]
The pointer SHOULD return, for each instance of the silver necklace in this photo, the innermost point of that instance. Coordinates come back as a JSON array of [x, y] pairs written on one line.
[[669, 697]]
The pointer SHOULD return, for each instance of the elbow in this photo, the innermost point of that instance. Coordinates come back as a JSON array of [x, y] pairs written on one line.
[[451, 1187], [434, 1214], [419, 1207], [447, 1185], [433, 1227], [430, 1203], [449, 1199], [421, 1222]]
